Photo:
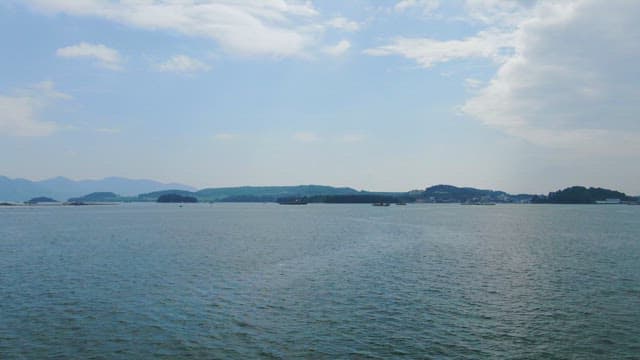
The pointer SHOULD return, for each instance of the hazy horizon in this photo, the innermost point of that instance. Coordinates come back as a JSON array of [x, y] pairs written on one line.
[[519, 96], [197, 188]]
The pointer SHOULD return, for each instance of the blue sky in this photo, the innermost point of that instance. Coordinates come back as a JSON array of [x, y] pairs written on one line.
[[522, 96]]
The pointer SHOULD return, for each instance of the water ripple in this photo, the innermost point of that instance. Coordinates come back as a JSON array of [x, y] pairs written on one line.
[[321, 281]]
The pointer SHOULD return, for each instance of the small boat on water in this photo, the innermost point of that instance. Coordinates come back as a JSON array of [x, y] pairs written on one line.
[[401, 203], [381, 204]]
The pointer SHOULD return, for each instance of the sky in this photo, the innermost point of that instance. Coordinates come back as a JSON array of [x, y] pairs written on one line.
[[522, 96]]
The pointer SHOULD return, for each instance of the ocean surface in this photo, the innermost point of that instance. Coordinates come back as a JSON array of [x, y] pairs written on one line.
[[240, 281]]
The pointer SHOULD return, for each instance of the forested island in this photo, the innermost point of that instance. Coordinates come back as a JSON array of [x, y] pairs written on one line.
[[97, 197], [330, 195], [40, 200], [582, 195]]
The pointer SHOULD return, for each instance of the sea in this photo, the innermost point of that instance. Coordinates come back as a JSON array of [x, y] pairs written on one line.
[[321, 281]]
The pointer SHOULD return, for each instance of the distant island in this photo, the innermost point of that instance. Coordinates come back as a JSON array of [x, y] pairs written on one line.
[[252, 193], [16, 191], [21, 190], [434, 194], [97, 197], [40, 200], [176, 198], [342, 199], [583, 195]]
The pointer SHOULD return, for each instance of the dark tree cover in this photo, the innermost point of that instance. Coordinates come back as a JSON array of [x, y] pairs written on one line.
[[153, 196], [580, 195], [176, 198], [293, 200], [41, 199], [252, 193], [352, 199], [248, 198], [539, 199], [97, 197], [269, 193]]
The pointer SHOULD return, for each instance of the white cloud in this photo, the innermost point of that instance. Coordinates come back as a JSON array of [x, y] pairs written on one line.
[[427, 52], [338, 49], [182, 64], [427, 6], [249, 27], [343, 23], [106, 57], [567, 75], [20, 111], [305, 137]]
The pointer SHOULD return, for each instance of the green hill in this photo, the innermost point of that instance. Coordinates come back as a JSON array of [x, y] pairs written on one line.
[[41, 199], [330, 194], [253, 193], [271, 193], [153, 196], [581, 195], [99, 197]]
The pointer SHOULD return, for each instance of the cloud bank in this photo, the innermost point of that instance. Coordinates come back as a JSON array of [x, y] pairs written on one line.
[[279, 28], [572, 81], [566, 73]]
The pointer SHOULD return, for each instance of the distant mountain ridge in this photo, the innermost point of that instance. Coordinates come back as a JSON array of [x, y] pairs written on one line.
[[64, 188]]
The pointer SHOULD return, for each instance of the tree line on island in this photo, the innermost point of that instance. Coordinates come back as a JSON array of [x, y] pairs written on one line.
[[333, 195], [582, 195], [110, 190]]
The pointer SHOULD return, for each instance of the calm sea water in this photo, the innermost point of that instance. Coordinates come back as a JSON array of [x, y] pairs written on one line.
[[320, 281]]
